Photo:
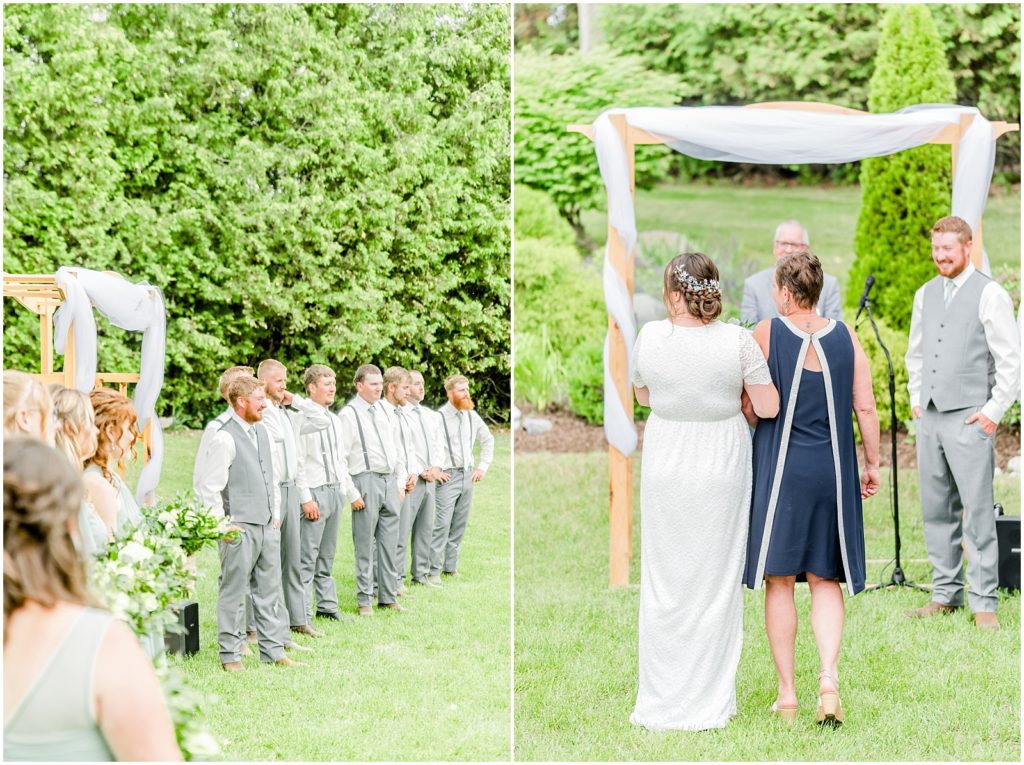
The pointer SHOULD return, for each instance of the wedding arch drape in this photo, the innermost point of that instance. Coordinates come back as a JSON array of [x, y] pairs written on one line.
[[769, 136], [135, 307]]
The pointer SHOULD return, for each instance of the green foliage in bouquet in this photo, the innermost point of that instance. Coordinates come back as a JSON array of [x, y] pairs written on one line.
[[902, 194], [186, 704], [185, 518]]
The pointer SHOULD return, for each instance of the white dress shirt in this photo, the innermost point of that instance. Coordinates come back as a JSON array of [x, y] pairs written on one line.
[[323, 459], [380, 448], [464, 428], [401, 438], [285, 424], [427, 438], [995, 312], [208, 432], [210, 475]]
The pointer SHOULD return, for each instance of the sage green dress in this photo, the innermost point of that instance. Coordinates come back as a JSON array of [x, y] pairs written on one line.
[[55, 720]]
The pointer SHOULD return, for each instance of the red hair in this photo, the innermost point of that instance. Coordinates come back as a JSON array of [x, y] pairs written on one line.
[[112, 408]]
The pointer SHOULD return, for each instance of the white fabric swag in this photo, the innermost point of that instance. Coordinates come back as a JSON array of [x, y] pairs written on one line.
[[769, 136], [135, 307]]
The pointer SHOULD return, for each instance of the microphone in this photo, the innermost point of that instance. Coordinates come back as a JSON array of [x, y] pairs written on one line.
[[868, 284]]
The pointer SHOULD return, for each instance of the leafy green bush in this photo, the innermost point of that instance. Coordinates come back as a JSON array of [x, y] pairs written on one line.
[[896, 341], [902, 194], [555, 91], [732, 54], [314, 183], [539, 370]]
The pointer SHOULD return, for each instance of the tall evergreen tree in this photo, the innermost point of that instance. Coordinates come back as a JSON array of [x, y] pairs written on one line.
[[903, 194]]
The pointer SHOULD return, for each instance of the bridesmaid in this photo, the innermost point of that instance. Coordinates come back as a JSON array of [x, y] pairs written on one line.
[[28, 409], [116, 436], [806, 521], [75, 435], [77, 686]]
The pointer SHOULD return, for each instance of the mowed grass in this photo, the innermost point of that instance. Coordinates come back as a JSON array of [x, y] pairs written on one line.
[[713, 216], [430, 684], [913, 690]]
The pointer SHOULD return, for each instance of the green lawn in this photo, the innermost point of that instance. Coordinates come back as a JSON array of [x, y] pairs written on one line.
[[430, 684], [932, 690], [712, 216]]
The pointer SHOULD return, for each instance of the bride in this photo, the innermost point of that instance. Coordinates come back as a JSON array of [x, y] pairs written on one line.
[[695, 484]]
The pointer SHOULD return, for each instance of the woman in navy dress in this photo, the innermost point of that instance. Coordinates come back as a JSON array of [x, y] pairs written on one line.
[[805, 520]]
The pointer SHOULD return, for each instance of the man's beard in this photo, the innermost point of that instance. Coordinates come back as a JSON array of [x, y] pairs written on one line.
[[465, 404]]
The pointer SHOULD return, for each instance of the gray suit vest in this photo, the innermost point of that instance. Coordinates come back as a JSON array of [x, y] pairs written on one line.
[[957, 369], [248, 496]]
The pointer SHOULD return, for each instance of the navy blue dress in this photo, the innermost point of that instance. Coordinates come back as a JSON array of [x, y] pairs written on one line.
[[805, 512]]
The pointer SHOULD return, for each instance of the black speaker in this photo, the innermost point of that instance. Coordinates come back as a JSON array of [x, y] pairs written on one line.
[[1008, 534], [187, 642]]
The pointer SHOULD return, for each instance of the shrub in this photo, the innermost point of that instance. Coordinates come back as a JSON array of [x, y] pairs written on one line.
[[902, 194], [316, 183], [896, 341], [555, 91]]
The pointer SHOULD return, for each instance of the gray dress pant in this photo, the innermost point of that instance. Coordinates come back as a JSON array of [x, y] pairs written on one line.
[[956, 463], [254, 556], [294, 605], [418, 504], [377, 523], [451, 516], [319, 541]]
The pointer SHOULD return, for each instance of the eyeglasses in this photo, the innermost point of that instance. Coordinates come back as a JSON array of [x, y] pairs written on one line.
[[790, 245]]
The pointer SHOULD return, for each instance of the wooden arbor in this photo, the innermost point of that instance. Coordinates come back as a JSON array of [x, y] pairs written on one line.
[[40, 294], [620, 468]]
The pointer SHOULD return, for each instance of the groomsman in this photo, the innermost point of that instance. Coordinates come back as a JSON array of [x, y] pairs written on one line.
[[327, 486], [237, 479], [373, 463], [289, 416], [963, 364], [215, 424], [758, 304], [396, 391], [427, 449], [462, 427]]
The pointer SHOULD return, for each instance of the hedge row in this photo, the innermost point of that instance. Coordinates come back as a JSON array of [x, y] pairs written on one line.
[[315, 183]]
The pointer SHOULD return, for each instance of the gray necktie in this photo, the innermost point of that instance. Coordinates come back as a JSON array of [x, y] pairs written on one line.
[[376, 430], [462, 418], [947, 294], [426, 441]]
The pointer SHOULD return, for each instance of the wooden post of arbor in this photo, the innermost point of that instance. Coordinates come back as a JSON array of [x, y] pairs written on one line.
[[620, 473], [40, 294]]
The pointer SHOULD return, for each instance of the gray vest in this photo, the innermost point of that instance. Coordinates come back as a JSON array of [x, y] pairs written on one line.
[[958, 371], [248, 496]]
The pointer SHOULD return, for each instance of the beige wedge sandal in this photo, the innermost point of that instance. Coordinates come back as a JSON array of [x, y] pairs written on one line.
[[784, 713], [830, 708]]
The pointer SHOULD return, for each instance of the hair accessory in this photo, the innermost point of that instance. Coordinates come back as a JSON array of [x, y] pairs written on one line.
[[695, 284]]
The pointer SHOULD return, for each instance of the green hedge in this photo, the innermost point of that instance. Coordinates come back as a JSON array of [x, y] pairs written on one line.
[[315, 183], [553, 92], [902, 195], [746, 53]]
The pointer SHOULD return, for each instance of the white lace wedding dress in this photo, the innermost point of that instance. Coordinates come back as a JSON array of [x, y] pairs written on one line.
[[695, 485]]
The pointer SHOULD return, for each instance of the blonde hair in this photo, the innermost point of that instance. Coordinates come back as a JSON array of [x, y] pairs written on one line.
[[395, 376], [313, 374], [267, 366], [454, 380], [73, 414], [112, 408], [241, 387], [952, 224], [42, 492], [24, 393], [230, 374]]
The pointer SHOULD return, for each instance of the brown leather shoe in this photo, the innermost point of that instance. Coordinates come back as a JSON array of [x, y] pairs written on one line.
[[232, 666], [434, 580], [250, 637], [392, 607], [365, 611], [986, 620], [246, 650], [296, 647], [932, 609], [305, 629], [284, 661]]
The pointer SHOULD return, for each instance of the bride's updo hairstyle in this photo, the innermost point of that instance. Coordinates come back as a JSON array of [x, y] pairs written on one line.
[[801, 273], [695, 276]]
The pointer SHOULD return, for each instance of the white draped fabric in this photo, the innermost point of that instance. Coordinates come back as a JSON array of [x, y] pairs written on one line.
[[135, 307], [770, 136]]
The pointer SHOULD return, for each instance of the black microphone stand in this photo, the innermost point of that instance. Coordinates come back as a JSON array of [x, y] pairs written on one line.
[[898, 578]]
